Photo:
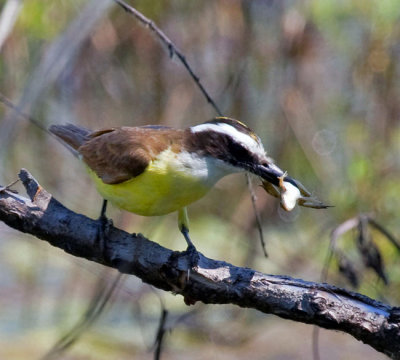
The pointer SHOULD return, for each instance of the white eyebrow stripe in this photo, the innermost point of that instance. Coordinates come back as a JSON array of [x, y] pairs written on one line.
[[246, 140]]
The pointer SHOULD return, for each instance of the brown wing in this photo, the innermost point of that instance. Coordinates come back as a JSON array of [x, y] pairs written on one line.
[[119, 154]]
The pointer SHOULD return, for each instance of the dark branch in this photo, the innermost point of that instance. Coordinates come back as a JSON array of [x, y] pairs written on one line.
[[213, 281]]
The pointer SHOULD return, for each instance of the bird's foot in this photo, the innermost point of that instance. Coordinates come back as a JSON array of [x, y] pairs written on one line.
[[191, 250], [193, 256], [103, 227]]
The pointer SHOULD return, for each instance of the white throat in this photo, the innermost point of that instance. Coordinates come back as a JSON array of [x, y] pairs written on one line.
[[205, 169]]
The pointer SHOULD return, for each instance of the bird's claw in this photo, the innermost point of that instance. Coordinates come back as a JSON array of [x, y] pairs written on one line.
[[103, 227], [193, 256]]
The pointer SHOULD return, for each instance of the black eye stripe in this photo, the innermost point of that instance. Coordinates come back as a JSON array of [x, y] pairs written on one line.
[[239, 155], [236, 149], [221, 146]]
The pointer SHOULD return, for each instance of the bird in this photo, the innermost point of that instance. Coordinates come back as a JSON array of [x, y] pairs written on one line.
[[155, 170]]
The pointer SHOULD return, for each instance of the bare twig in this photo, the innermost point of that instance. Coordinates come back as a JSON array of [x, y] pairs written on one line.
[[8, 187], [172, 49], [257, 214], [102, 295], [369, 252], [386, 233], [336, 233], [212, 281], [7, 102], [160, 333]]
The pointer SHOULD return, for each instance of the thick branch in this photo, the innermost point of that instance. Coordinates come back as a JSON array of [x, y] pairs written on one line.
[[212, 281]]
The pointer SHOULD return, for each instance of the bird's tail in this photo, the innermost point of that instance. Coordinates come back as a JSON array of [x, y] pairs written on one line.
[[71, 134]]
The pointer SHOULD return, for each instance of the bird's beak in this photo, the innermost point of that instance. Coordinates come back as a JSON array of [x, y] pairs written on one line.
[[288, 190]]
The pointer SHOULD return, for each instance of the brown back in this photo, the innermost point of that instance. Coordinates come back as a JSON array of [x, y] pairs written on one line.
[[119, 154]]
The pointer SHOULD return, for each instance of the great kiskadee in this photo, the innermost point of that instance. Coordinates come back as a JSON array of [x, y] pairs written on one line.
[[156, 170]]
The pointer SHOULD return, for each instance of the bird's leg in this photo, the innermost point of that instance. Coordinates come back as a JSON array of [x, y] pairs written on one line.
[[184, 227], [103, 226], [185, 232]]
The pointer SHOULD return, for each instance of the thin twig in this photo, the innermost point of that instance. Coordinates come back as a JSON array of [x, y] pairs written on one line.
[[335, 234], [160, 333], [384, 232], [8, 103], [102, 295], [172, 49], [257, 214], [15, 108], [8, 187]]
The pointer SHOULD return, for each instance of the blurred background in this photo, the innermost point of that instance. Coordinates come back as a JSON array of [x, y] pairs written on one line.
[[319, 82]]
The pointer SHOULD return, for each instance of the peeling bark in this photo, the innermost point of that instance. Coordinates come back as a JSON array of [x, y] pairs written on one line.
[[212, 281]]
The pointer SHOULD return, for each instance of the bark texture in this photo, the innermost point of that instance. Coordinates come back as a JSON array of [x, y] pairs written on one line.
[[212, 281]]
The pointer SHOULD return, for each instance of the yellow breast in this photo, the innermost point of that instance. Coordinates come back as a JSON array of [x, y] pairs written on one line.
[[170, 182]]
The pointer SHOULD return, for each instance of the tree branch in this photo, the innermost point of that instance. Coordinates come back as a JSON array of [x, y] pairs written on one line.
[[213, 281]]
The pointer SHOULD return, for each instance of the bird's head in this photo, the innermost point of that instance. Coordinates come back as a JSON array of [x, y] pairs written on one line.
[[236, 146]]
